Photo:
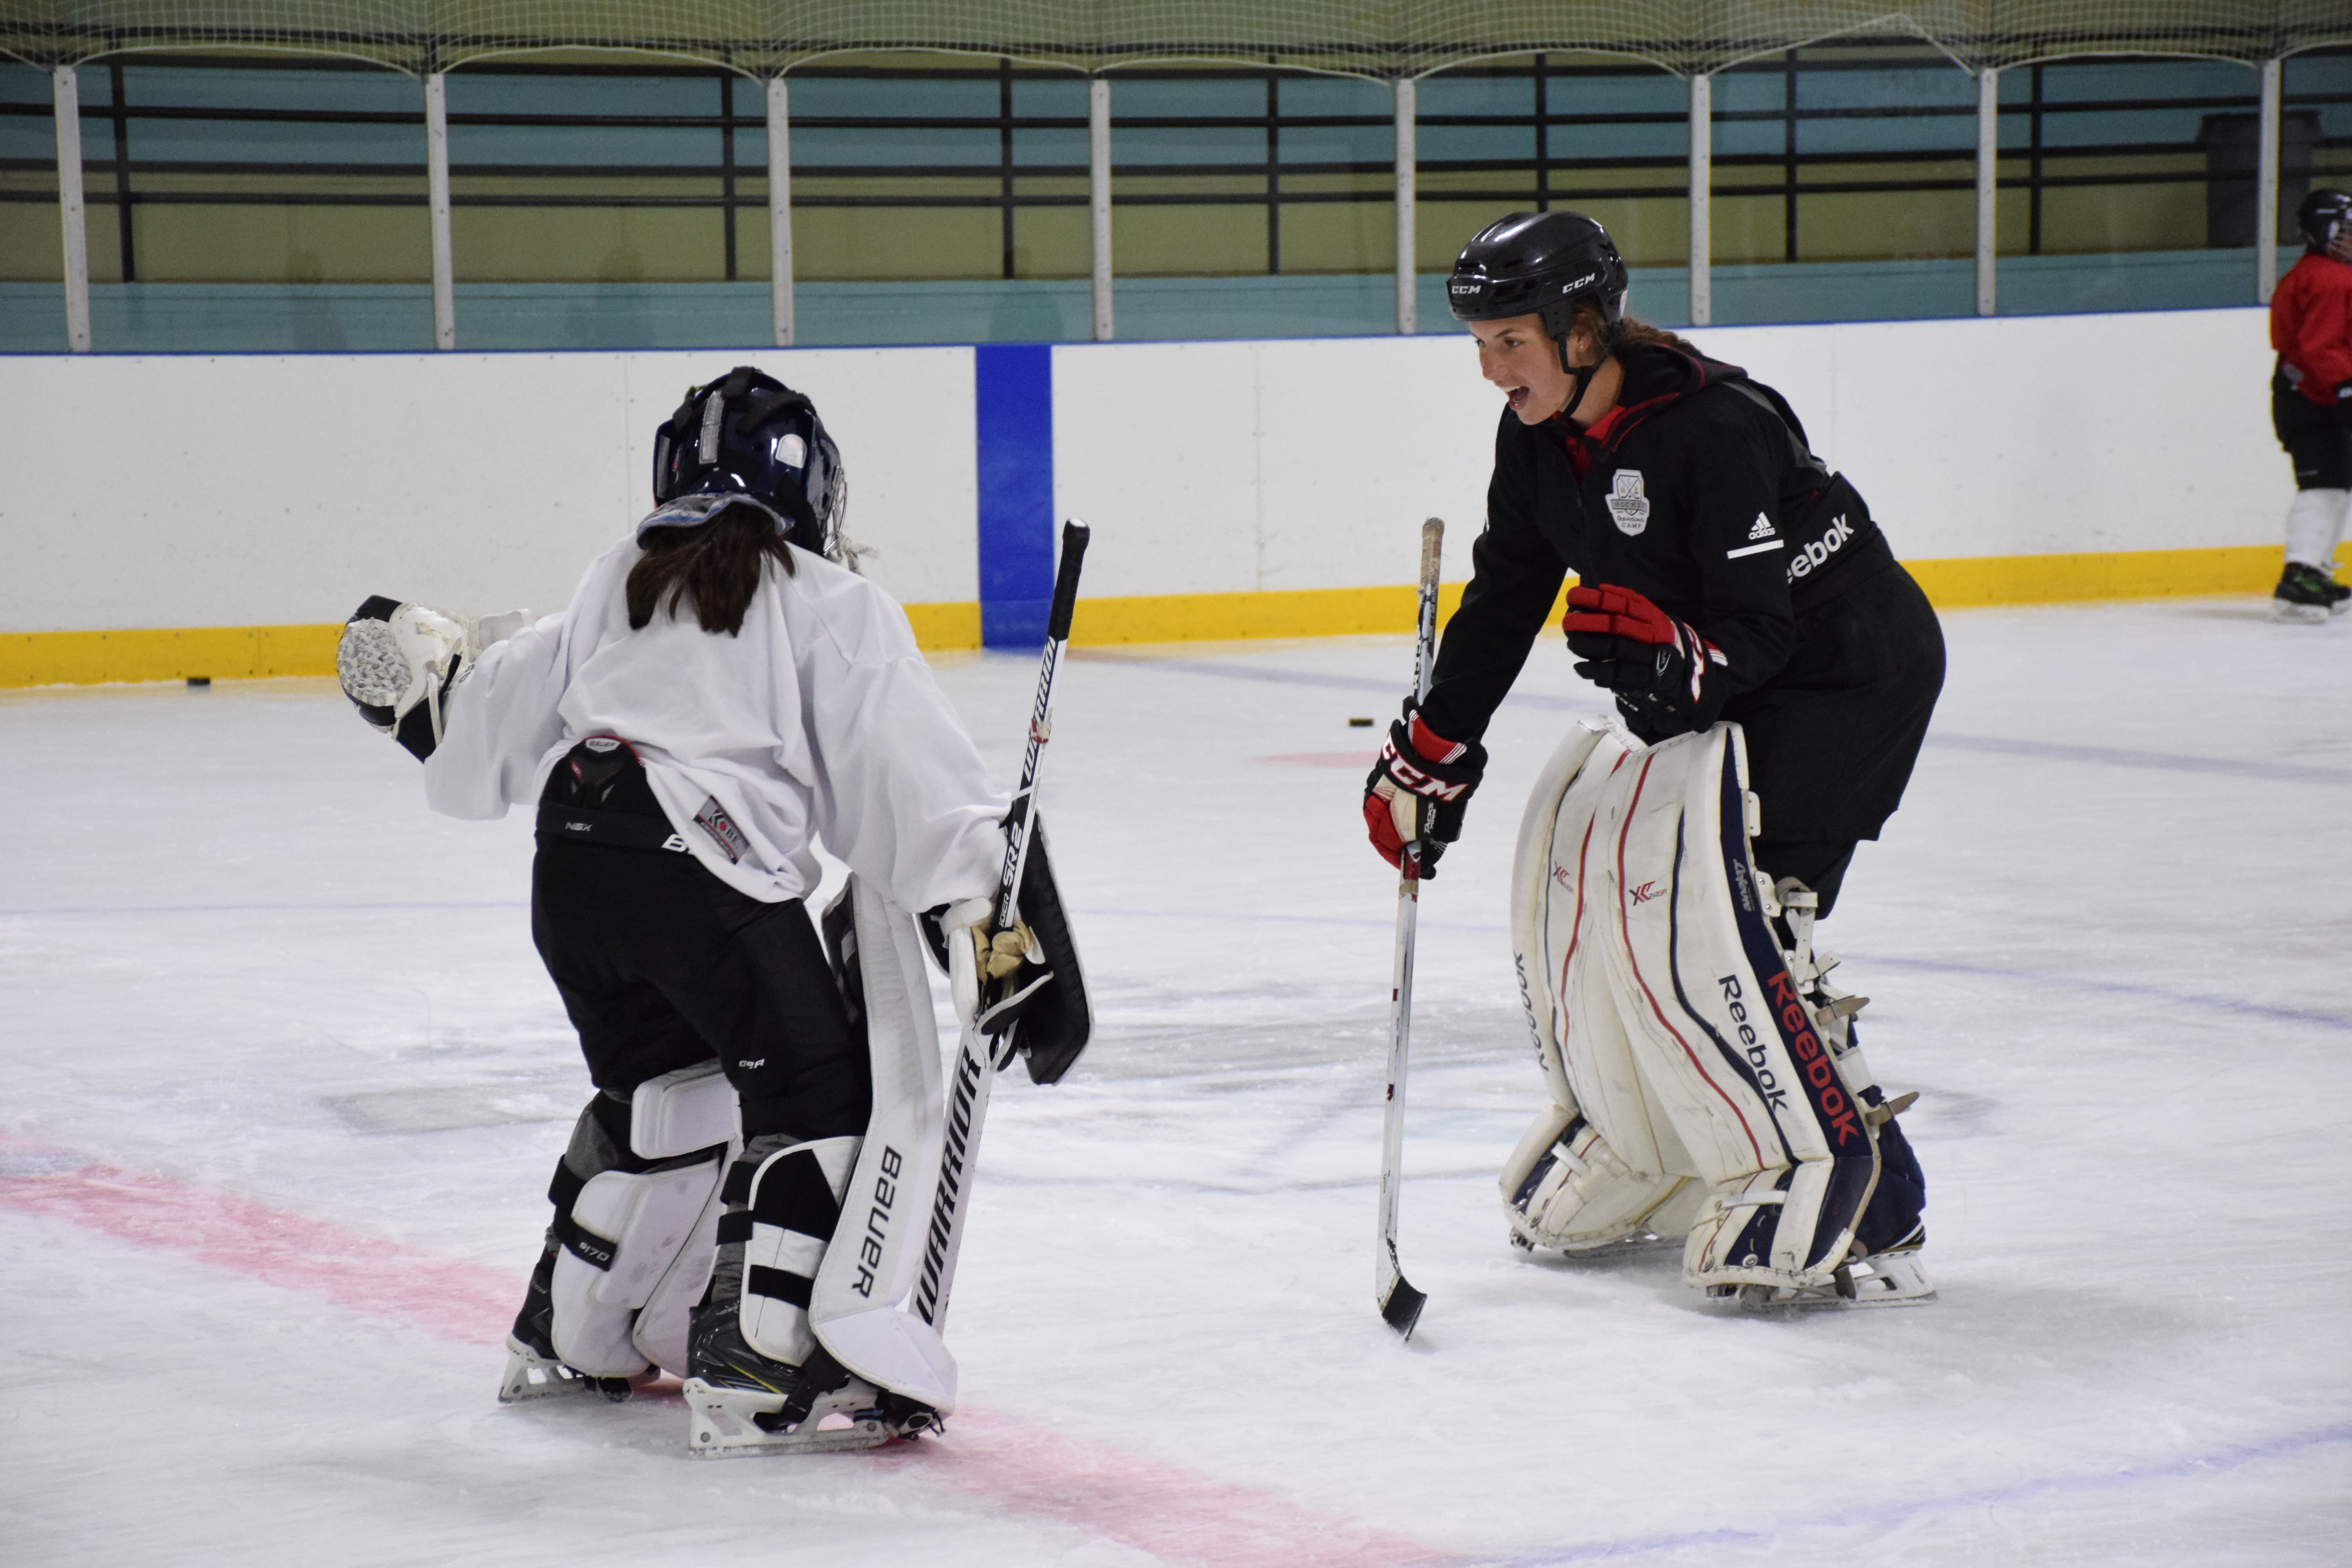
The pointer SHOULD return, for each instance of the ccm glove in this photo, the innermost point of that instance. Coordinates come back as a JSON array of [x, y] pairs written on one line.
[[1418, 790], [1665, 676]]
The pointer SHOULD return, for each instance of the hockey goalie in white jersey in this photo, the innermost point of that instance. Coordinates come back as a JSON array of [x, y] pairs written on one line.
[[748, 1199], [1705, 1077]]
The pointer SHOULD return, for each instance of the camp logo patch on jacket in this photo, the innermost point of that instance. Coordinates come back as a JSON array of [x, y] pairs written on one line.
[[1627, 504]]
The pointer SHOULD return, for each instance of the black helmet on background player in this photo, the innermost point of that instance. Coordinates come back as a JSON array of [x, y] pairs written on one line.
[[749, 437], [2326, 220]]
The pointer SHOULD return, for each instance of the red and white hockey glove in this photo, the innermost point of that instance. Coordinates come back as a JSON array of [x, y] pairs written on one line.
[[1418, 790], [1665, 676]]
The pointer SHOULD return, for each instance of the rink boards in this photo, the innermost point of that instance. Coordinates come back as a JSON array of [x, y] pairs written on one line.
[[218, 514]]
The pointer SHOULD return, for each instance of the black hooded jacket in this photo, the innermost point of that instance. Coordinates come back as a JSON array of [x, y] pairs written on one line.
[[1699, 492]]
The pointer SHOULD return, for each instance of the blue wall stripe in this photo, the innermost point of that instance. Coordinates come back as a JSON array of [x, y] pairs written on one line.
[[1012, 386]]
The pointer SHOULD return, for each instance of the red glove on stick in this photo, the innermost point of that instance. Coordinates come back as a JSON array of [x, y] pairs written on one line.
[[1419, 789]]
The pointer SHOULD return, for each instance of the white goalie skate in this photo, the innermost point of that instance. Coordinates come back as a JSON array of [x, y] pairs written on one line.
[[1894, 1278]]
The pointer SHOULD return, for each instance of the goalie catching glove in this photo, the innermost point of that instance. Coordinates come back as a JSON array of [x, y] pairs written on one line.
[[397, 663], [1668, 679], [1418, 789]]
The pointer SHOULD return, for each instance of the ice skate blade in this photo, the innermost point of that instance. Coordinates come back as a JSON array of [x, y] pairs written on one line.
[[1643, 1244], [530, 1375], [724, 1422], [2305, 615], [1889, 1280]]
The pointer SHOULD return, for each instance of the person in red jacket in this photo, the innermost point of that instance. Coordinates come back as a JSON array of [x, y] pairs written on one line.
[[2311, 405]]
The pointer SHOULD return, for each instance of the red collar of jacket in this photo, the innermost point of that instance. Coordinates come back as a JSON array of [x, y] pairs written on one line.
[[1658, 376]]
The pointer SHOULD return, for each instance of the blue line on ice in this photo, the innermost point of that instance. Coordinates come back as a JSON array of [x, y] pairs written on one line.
[[2235, 1456]]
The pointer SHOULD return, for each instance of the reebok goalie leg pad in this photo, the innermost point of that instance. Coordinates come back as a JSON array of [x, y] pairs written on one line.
[[1564, 1187], [1727, 1046]]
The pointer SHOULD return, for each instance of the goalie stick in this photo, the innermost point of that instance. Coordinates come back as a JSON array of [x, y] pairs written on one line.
[[1399, 1303], [979, 1056]]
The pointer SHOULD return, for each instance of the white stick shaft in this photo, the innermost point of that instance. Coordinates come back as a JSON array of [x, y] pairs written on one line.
[[1385, 1267], [1388, 1273]]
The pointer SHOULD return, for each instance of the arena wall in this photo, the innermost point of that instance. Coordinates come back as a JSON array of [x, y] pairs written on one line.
[[189, 515]]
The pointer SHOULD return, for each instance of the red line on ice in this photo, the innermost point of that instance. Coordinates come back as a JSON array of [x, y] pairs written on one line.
[[1177, 1515]]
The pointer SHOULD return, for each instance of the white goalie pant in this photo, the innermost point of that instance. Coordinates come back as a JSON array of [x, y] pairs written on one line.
[[1690, 1087], [637, 1245]]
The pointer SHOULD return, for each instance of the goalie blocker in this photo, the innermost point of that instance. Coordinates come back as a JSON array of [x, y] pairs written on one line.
[[1702, 1077]]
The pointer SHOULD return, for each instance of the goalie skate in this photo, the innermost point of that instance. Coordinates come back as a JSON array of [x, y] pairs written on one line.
[[530, 1375], [1896, 1278], [729, 1421]]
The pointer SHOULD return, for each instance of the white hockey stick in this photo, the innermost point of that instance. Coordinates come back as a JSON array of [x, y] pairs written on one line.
[[978, 1055], [1399, 1303]]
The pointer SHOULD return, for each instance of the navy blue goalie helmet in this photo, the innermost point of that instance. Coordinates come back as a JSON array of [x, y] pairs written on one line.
[[749, 437], [1538, 264]]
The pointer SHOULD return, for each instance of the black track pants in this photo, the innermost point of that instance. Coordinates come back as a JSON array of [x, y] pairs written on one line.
[[2317, 439], [1833, 738], [662, 966]]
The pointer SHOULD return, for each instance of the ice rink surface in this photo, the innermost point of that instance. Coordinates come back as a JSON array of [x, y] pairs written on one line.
[[285, 1082]]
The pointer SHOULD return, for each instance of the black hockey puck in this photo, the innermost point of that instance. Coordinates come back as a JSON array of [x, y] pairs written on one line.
[[196, 680], [1360, 723]]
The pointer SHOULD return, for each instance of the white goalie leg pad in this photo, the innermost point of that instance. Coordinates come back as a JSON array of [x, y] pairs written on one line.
[[1724, 1041], [794, 1208], [863, 1308], [1600, 1161], [676, 1114], [637, 1245], [1565, 1187]]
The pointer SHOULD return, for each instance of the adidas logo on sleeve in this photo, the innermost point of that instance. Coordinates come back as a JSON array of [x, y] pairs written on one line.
[[1760, 529]]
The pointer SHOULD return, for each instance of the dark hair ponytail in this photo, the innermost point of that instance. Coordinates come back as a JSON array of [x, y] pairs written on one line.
[[717, 565], [1627, 330]]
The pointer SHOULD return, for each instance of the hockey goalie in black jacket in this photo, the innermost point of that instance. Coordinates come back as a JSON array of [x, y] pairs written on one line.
[[1724, 571], [1704, 1077]]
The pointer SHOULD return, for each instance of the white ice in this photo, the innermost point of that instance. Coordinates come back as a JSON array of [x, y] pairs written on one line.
[[245, 977]]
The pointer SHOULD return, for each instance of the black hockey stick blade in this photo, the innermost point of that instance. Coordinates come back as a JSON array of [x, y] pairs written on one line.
[[1074, 535], [1403, 1309]]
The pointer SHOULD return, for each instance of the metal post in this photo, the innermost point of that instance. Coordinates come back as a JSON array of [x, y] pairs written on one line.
[[1099, 197], [1408, 279], [780, 210], [70, 210], [2266, 184], [437, 185], [1702, 178], [1987, 179]]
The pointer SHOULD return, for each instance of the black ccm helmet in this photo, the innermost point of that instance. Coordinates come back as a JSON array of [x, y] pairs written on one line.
[[1540, 264], [751, 437], [2324, 219]]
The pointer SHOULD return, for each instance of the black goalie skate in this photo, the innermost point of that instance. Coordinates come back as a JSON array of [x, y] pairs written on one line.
[[533, 1369], [741, 1402]]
